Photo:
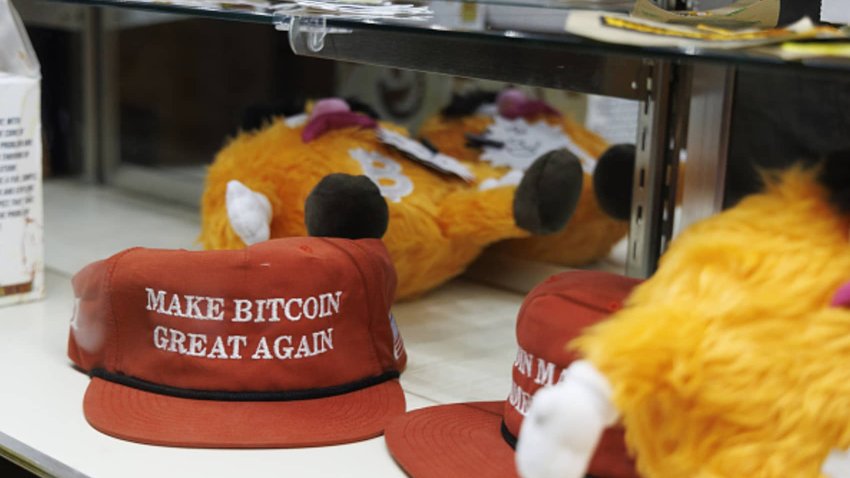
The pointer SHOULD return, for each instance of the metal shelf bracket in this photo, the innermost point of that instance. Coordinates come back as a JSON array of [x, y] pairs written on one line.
[[661, 136], [307, 33]]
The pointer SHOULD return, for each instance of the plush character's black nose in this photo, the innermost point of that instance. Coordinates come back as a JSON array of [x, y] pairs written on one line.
[[342, 205], [613, 180]]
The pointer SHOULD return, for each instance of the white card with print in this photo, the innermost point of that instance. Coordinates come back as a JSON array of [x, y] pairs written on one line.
[[417, 151], [521, 143]]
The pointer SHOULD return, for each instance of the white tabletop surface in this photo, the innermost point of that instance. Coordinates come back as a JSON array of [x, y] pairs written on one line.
[[460, 342]]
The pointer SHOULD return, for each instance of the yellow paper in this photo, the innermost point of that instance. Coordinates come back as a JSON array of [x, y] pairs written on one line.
[[814, 50], [628, 30]]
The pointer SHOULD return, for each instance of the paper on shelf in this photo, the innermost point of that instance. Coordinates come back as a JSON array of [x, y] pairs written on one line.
[[235, 5], [835, 11], [354, 9], [627, 30], [740, 14]]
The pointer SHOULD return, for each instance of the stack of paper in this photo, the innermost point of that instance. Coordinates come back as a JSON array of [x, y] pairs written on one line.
[[354, 9]]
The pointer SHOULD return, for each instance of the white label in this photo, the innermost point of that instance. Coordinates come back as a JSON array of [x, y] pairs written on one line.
[[523, 142], [835, 11], [420, 153], [385, 172], [614, 119], [21, 228]]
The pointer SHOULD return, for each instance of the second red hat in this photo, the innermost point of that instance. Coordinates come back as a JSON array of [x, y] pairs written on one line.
[[477, 439]]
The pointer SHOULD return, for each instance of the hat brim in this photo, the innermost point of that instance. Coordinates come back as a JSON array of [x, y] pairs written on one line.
[[459, 440], [140, 416]]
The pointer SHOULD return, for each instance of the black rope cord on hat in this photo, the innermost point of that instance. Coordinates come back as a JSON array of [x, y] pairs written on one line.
[[226, 396], [511, 440], [507, 435]]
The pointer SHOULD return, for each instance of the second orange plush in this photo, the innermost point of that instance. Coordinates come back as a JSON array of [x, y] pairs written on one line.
[[506, 132]]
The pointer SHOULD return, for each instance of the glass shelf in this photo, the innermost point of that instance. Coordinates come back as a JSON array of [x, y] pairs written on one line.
[[467, 28], [538, 22]]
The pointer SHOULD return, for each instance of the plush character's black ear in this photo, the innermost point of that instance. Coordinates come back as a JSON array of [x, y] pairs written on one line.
[[465, 104], [835, 175], [342, 205], [255, 116], [613, 180], [548, 194], [360, 107]]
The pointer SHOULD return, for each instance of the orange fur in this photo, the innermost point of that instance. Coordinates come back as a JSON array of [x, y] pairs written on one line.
[[433, 234], [590, 234], [730, 361]]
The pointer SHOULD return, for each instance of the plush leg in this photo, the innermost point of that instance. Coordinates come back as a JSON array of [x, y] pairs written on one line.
[[542, 203], [564, 424], [249, 213], [613, 180], [548, 194]]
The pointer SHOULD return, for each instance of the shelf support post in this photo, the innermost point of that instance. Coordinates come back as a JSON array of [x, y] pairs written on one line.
[[709, 121], [662, 119]]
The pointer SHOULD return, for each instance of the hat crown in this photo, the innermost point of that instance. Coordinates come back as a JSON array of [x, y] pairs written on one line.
[[286, 315]]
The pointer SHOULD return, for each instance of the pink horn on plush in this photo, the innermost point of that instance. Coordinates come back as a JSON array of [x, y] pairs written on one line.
[[330, 114], [513, 103]]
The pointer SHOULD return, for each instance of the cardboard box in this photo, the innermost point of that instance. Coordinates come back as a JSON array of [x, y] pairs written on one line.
[[21, 208]]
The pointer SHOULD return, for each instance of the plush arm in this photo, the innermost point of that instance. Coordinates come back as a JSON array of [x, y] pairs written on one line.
[[564, 424]]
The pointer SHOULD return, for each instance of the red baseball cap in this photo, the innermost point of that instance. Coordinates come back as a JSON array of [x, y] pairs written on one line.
[[287, 343], [477, 439]]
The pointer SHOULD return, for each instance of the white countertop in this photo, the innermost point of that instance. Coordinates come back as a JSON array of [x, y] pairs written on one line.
[[460, 342]]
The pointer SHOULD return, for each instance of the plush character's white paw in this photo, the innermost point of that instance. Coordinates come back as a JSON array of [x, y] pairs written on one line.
[[249, 212], [837, 465], [564, 424]]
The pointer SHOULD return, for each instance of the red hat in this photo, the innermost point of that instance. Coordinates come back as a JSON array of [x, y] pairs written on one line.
[[477, 439], [287, 343]]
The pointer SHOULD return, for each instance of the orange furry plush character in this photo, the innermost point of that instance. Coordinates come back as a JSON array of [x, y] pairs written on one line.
[[438, 222], [506, 132], [731, 361]]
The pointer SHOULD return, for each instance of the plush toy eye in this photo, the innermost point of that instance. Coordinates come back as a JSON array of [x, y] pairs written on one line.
[[842, 296]]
